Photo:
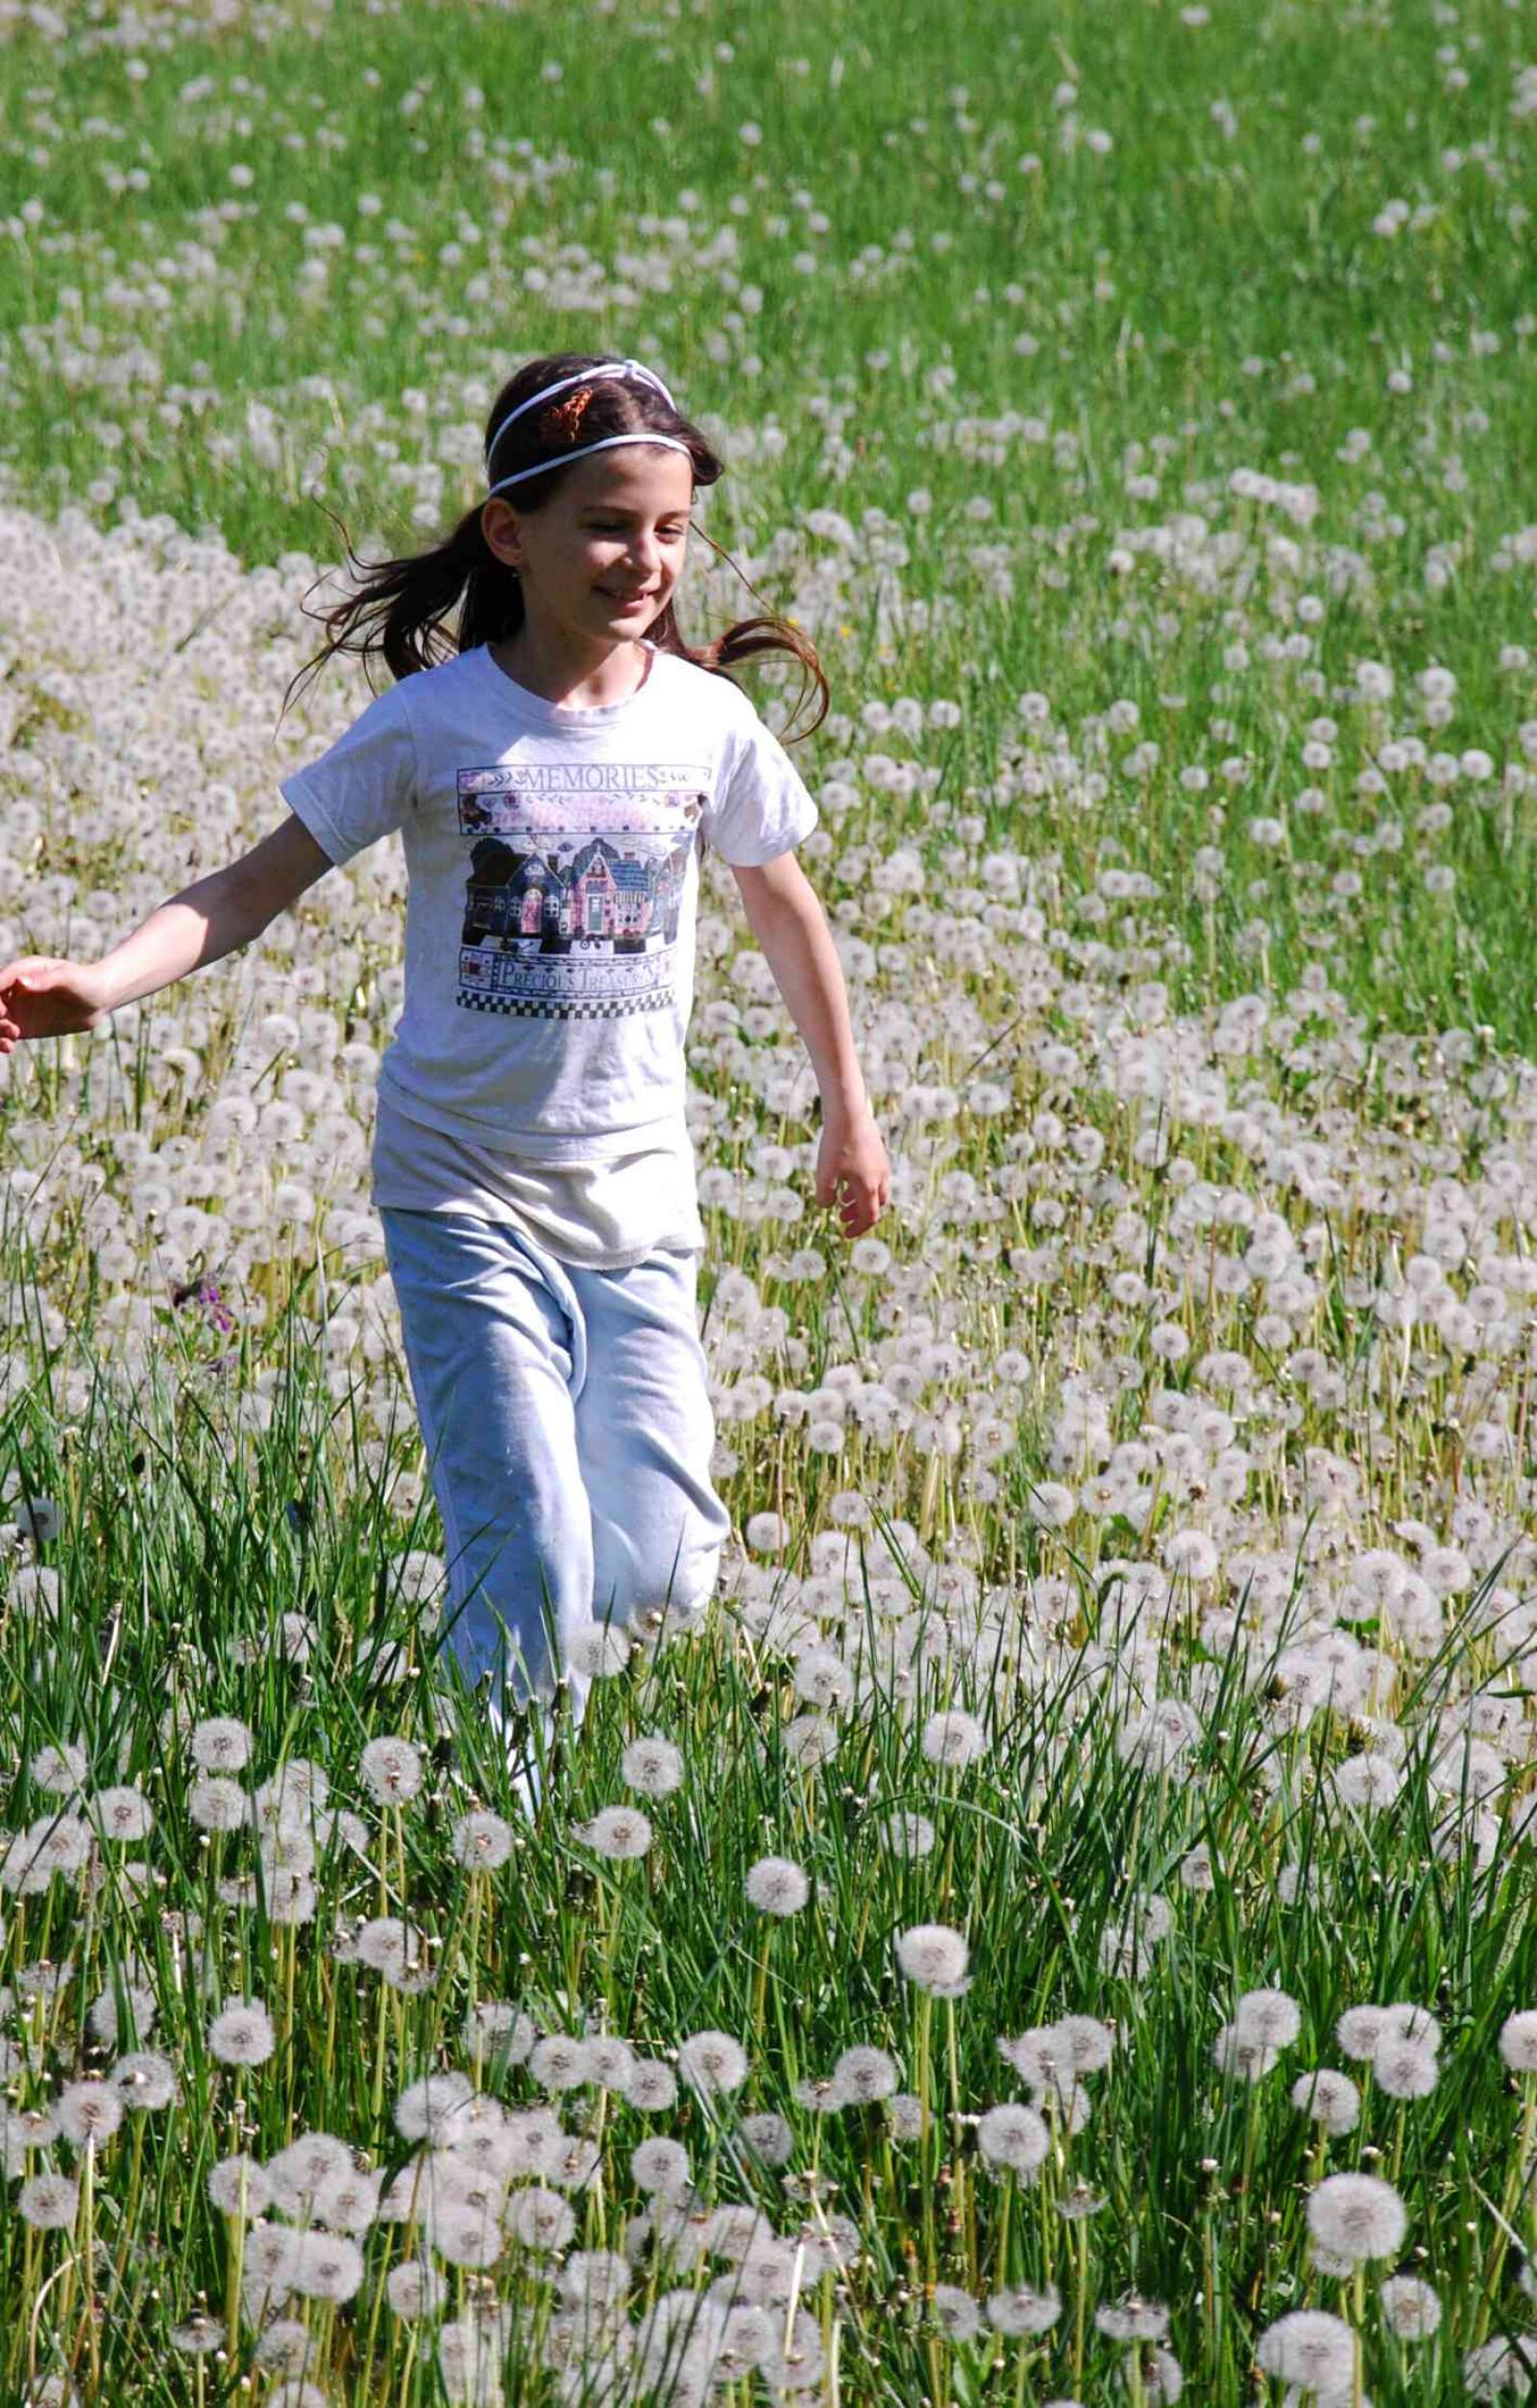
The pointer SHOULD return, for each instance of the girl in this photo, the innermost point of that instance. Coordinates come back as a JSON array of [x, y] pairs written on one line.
[[556, 771]]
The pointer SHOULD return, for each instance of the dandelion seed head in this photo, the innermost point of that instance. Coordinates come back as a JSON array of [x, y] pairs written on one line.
[[48, 2203], [711, 2062], [90, 2110], [482, 1840], [953, 1739], [660, 2165], [1014, 2137], [777, 1886], [241, 2034], [1404, 2069], [221, 1743], [653, 1766], [933, 1956], [391, 1770], [1133, 2318], [1271, 2016], [415, 2290], [1311, 2349], [619, 1832], [768, 2136], [239, 2185], [650, 2086], [1357, 2215], [863, 2074], [62, 1770], [1331, 2099], [1021, 2310], [1410, 2309], [1517, 2041]]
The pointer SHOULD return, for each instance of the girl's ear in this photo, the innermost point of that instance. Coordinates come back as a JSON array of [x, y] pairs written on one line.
[[499, 527]]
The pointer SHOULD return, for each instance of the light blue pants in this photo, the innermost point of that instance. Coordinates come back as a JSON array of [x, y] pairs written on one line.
[[569, 1430]]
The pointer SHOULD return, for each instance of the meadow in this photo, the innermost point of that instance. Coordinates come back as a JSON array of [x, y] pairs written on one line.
[[1061, 1932]]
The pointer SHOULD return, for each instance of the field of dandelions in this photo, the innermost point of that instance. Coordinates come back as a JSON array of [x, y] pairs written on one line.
[[1063, 1930]]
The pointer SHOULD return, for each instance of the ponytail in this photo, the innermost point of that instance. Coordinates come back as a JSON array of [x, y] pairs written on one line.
[[399, 608]]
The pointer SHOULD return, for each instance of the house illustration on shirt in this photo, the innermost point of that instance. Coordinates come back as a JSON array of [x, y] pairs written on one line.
[[575, 887], [600, 894]]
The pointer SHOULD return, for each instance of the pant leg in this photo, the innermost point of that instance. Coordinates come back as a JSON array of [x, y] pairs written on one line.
[[490, 1354], [645, 1434]]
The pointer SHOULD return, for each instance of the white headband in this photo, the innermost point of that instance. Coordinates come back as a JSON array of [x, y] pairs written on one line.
[[605, 368], [607, 444]]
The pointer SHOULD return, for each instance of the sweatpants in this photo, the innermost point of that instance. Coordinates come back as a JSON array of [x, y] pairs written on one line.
[[569, 1430]]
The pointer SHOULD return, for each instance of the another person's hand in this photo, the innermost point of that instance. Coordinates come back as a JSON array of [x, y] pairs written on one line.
[[43, 995], [853, 1175]]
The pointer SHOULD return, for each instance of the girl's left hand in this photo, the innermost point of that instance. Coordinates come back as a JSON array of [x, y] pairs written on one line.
[[853, 1174]]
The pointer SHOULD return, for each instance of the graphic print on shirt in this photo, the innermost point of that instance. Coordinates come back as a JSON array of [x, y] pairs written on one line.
[[574, 885]]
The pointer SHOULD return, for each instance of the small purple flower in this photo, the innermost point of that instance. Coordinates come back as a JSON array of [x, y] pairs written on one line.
[[206, 1292]]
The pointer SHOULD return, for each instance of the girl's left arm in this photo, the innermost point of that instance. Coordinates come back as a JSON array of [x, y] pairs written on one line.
[[853, 1174]]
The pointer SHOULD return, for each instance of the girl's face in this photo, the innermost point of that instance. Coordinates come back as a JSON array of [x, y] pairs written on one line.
[[617, 529]]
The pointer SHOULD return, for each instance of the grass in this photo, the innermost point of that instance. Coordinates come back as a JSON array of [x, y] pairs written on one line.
[[1074, 1437]]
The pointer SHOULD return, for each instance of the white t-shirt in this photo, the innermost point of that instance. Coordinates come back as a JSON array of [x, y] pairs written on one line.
[[604, 1215], [553, 864]]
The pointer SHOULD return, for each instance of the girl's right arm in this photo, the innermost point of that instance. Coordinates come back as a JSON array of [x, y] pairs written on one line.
[[41, 996]]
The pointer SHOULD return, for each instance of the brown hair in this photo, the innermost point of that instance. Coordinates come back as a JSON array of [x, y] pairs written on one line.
[[400, 606]]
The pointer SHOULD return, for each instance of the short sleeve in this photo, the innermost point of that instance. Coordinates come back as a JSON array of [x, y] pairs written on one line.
[[761, 807], [365, 786]]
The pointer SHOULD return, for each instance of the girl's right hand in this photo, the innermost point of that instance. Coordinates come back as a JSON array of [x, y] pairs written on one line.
[[41, 996]]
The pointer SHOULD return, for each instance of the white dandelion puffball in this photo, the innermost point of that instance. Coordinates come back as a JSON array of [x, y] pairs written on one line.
[[619, 1832], [713, 2062], [62, 1770], [221, 1743], [650, 2086], [1272, 2017], [217, 1803], [933, 1956], [955, 2312], [1133, 2318], [862, 2075], [660, 2165], [1331, 2097], [241, 2034], [1404, 2069], [768, 2137], [1357, 2215], [653, 1766], [954, 1738], [391, 1770], [482, 1840], [1052, 1505], [597, 1651], [766, 1533], [240, 2186], [415, 2289], [1014, 2138], [1021, 2310], [1359, 2029], [1311, 2349], [48, 2201], [1411, 2309], [777, 1886], [90, 2109], [1517, 2041], [146, 2080], [121, 1813]]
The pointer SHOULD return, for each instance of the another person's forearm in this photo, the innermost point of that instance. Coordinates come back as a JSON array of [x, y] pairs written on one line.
[[201, 924], [797, 945]]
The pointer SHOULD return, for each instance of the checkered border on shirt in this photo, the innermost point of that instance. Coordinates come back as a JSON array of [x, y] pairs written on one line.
[[536, 1008]]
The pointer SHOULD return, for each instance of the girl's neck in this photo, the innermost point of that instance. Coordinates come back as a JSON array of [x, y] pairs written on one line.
[[588, 679]]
